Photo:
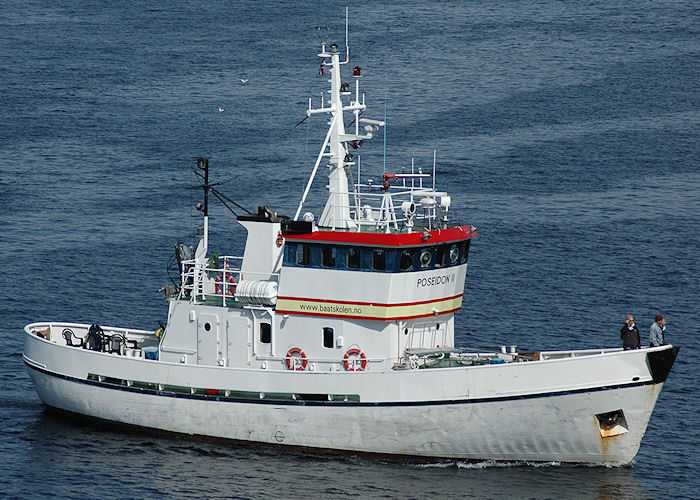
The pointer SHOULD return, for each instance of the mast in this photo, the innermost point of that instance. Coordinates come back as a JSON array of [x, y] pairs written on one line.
[[336, 213], [203, 164]]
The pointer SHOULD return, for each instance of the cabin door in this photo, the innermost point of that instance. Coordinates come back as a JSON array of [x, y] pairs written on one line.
[[238, 341], [428, 335], [208, 339]]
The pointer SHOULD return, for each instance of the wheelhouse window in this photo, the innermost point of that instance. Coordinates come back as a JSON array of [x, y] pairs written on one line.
[[290, 253], [303, 255], [340, 256], [353, 258], [463, 251], [328, 339], [328, 256], [440, 256], [406, 262], [265, 333], [378, 259]]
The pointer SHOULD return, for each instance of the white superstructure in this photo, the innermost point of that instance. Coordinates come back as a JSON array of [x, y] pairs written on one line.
[[339, 334]]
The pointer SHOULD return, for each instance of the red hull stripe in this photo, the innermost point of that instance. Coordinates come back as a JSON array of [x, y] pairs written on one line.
[[367, 317], [281, 297], [382, 239]]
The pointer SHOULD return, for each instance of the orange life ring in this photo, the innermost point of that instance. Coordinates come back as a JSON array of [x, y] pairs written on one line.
[[280, 239], [291, 365], [354, 352], [231, 287]]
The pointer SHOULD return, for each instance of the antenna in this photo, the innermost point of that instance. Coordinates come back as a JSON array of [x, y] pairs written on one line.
[[347, 39], [413, 179], [322, 33], [203, 164], [434, 158], [385, 136]]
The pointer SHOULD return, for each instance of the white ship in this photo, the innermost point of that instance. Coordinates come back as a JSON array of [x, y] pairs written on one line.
[[337, 333]]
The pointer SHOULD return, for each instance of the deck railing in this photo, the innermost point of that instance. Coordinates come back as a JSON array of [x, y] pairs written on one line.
[[215, 281]]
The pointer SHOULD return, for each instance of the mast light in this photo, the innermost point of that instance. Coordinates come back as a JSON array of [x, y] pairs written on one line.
[[356, 72]]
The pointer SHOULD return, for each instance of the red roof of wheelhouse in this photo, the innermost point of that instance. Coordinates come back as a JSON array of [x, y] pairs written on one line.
[[387, 239]]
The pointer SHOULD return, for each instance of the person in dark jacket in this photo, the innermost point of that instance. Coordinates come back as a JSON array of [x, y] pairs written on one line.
[[629, 333]]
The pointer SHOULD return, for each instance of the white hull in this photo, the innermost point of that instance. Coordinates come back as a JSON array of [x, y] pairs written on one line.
[[498, 422]]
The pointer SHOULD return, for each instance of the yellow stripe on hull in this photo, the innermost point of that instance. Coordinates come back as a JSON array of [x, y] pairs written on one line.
[[367, 311]]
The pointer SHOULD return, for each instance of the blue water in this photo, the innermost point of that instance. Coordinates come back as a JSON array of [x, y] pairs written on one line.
[[566, 131]]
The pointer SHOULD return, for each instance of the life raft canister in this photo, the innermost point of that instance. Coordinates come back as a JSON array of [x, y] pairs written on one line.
[[231, 285], [292, 355], [352, 366]]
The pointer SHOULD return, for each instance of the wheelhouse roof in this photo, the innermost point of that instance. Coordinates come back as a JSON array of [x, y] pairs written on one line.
[[435, 236]]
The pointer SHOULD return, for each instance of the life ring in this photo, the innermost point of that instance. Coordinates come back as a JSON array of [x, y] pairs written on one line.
[[231, 287], [353, 367], [280, 239], [292, 353]]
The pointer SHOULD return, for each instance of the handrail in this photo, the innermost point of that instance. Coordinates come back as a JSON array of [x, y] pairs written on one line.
[[201, 281], [318, 360]]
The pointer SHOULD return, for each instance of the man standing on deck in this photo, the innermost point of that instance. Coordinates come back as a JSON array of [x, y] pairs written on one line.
[[656, 332], [629, 333]]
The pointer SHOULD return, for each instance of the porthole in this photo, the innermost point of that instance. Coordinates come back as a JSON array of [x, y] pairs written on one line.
[[207, 326], [454, 254], [425, 258]]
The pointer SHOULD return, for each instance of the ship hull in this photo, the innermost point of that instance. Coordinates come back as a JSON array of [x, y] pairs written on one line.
[[507, 423]]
